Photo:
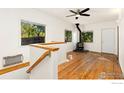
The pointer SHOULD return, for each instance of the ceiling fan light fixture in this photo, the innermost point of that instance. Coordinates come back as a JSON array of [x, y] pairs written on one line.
[[77, 15]]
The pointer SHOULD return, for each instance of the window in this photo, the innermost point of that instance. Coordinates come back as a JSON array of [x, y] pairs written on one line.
[[32, 33], [68, 36], [87, 37]]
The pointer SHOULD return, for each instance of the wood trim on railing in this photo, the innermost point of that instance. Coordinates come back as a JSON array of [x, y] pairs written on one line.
[[13, 68], [50, 43], [38, 61], [45, 47]]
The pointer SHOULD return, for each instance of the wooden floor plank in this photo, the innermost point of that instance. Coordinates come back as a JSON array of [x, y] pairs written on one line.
[[90, 65]]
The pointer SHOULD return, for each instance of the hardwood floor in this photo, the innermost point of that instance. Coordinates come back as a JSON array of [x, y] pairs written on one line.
[[90, 65]]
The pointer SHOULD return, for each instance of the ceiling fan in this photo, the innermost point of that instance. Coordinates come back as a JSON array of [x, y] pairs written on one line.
[[79, 13]]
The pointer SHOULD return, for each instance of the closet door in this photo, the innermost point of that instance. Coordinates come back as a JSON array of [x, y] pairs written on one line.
[[108, 41]]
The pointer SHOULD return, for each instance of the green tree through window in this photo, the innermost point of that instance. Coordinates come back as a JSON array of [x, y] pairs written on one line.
[[68, 36], [87, 37], [32, 33]]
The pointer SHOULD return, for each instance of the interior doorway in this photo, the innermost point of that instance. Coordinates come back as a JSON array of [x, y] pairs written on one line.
[[108, 40]]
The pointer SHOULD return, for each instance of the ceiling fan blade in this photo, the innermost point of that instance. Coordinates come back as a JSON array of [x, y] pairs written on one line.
[[73, 11], [84, 10], [70, 15], [85, 14]]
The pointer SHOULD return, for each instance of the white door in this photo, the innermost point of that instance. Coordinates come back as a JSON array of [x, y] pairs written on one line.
[[108, 40]]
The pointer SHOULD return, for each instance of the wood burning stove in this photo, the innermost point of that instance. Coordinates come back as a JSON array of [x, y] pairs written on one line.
[[80, 44]]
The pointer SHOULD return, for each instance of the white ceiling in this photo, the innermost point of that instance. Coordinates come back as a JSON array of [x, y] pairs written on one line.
[[97, 14]]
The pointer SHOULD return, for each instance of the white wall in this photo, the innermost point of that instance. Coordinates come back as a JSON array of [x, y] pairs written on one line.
[[97, 28], [121, 40], [17, 74], [10, 30]]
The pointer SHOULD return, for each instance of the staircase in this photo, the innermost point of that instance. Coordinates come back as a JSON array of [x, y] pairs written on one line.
[[44, 61]]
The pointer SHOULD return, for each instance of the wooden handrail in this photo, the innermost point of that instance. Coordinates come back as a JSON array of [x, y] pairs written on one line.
[[50, 48], [51, 43], [38, 61], [13, 68], [44, 46]]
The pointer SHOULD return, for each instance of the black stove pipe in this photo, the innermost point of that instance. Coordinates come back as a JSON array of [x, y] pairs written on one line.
[[77, 25]]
